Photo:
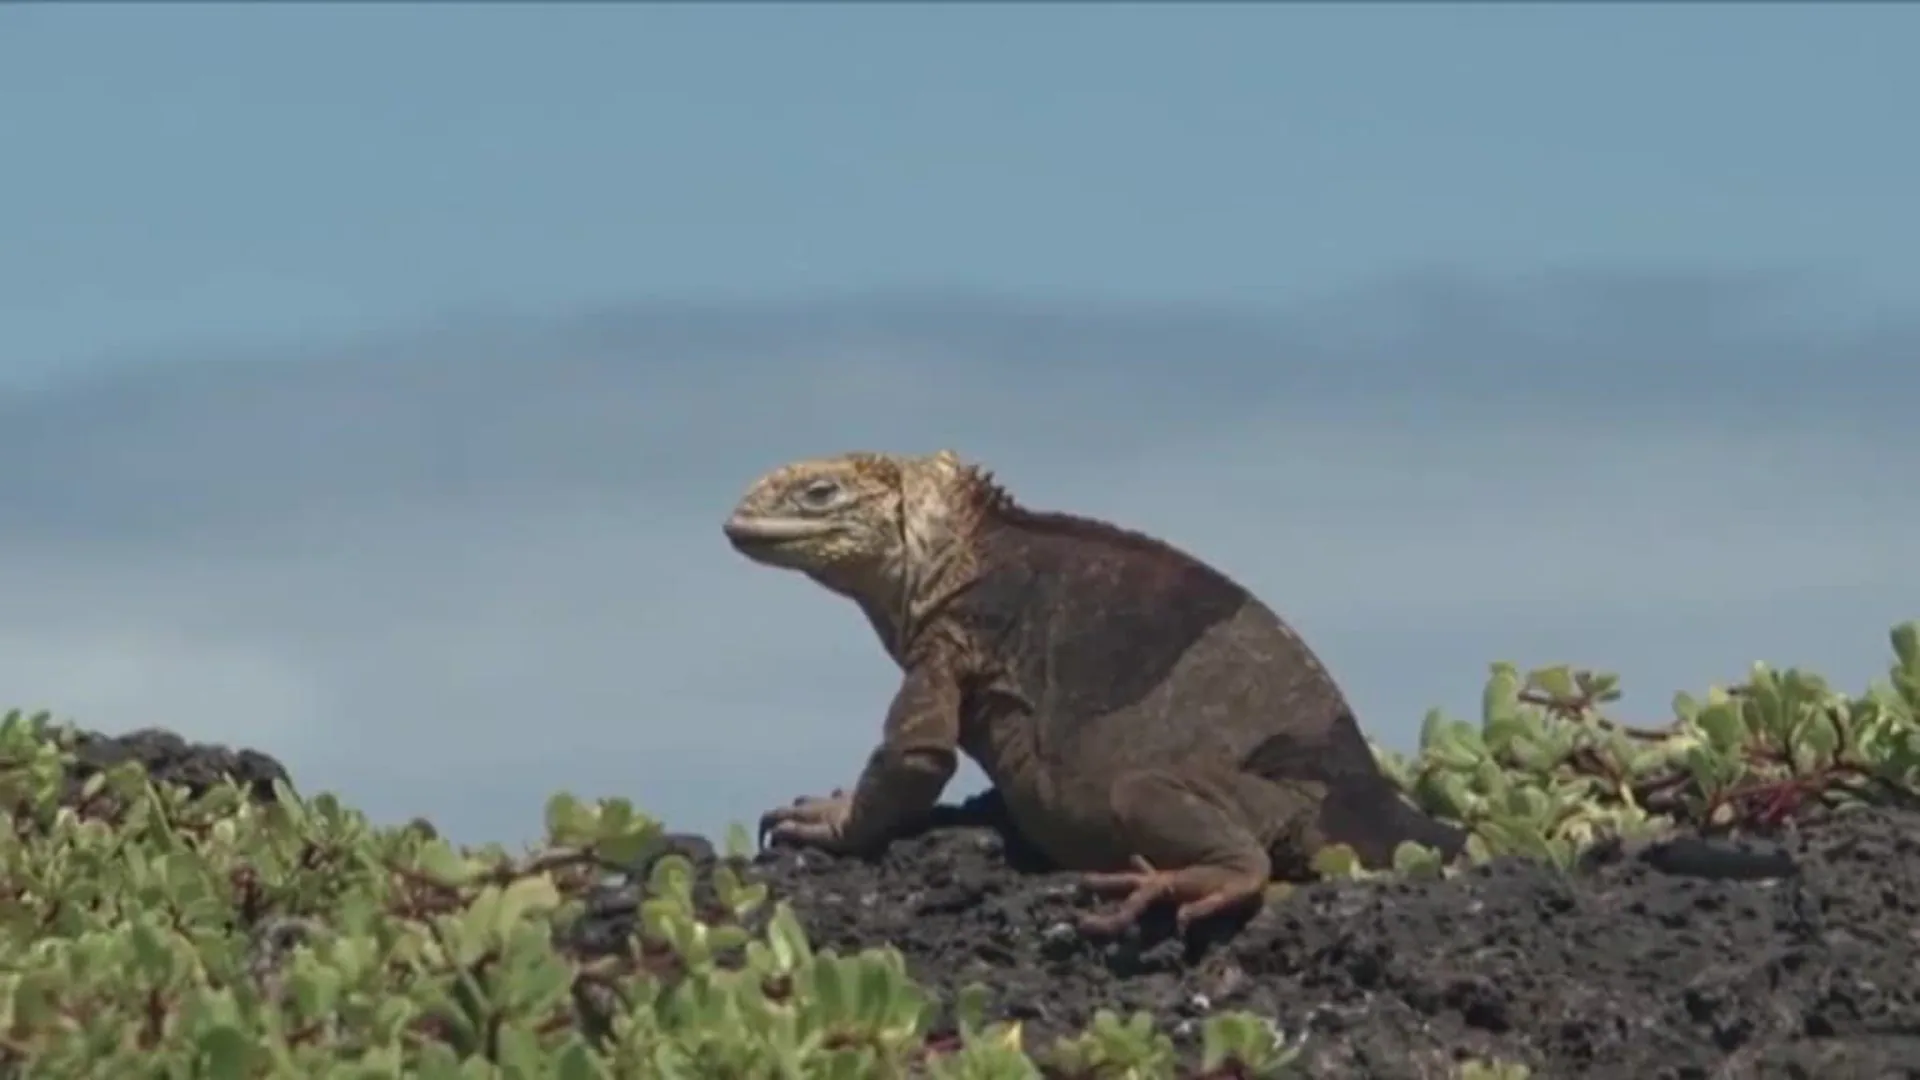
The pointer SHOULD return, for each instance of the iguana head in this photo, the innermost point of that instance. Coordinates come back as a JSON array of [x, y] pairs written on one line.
[[890, 531]]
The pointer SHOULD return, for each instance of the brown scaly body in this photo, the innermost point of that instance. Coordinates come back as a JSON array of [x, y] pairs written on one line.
[[1144, 718]]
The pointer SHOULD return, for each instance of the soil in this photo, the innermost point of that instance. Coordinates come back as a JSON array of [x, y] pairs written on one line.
[[1795, 956], [1790, 957]]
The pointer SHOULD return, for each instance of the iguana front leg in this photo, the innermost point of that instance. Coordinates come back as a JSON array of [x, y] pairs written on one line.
[[903, 778]]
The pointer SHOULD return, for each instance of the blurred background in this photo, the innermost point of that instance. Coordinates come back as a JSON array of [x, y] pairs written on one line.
[[374, 378]]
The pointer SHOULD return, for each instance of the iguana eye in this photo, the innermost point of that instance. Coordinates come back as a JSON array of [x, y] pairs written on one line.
[[819, 493]]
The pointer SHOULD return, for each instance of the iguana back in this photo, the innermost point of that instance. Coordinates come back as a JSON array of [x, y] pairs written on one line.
[[1123, 652]]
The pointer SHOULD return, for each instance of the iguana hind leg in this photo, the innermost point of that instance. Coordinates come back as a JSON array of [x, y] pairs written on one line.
[[1192, 843]]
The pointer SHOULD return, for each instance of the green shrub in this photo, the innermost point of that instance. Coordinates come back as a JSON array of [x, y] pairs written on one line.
[[148, 933], [145, 931], [1545, 773]]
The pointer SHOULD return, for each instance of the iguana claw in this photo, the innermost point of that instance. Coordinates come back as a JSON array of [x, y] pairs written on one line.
[[1201, 891], [809, 821]]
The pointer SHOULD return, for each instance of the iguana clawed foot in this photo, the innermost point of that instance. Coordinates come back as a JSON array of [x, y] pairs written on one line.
[[1199, 890], [810, 821]]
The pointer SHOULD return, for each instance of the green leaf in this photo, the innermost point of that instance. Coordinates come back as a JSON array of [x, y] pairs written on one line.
[[1250, 1043], [874, 996], [1456, 745], [1336, 861], [1527, 803], [519, 1054], [787, 939], [1467, 737], [1816, 739], [1497, 700], [1724, 727], [739, 842], [1711, 771], [1685, 706], [1416, 860], [567, 821], [830, 988], [1449, 795], [392, 1015], [1598, 686], [1906, 644], [1478, 849], [35, 998], [225, 1053], [970, 1009], [532, 895], [1557, 682], [473, 932], [444, 864], [541, 983], [315, 991], [672, 876], [152, 952], [576, 1062], [1509, 734]]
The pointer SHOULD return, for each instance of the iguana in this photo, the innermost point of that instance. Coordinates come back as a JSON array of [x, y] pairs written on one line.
[[1145, 720]]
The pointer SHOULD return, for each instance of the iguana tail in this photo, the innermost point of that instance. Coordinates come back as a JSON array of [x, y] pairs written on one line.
[[1361, 806]]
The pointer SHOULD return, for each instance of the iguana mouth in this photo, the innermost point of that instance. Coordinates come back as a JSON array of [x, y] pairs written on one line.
[[745, 532]]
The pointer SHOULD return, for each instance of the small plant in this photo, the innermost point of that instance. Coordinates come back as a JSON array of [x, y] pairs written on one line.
[[1546, 773]]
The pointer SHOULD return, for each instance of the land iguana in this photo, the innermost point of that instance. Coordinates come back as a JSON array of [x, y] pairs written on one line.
[[1146, 720]]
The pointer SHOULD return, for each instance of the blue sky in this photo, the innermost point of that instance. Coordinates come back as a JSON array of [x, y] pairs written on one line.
[[376, 376]]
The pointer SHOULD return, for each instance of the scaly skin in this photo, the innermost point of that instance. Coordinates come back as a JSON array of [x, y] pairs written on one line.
[[1146, 720]]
